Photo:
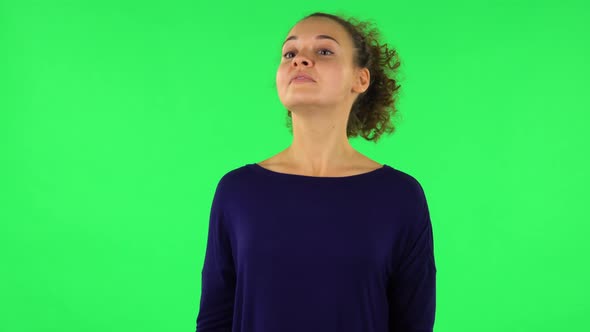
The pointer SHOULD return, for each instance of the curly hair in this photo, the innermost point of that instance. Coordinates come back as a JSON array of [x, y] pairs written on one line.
[[371, 112]]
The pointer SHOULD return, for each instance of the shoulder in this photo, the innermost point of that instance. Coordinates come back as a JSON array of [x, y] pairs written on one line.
[[231, 176], [404, 186]]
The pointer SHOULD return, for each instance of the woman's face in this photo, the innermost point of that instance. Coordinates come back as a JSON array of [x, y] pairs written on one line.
[[327, 61]]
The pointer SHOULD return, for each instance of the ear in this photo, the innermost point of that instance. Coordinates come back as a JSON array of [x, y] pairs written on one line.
[[363, 76]]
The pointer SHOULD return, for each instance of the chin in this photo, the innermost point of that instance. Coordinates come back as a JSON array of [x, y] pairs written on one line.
[[296, 99], [293, 106]]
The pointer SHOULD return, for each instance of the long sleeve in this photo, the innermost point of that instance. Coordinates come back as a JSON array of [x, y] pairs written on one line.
[[218, 274], [292, 253], [412, 290]]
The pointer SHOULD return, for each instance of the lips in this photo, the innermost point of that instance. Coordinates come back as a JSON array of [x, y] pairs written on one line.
[[301, 77]]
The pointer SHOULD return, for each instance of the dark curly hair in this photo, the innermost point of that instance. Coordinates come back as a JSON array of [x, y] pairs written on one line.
[[372, 110]]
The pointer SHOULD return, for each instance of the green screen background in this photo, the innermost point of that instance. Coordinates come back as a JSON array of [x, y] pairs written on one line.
[[117, 119]]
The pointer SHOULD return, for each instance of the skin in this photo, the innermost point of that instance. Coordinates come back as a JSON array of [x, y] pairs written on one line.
[[320, 109]]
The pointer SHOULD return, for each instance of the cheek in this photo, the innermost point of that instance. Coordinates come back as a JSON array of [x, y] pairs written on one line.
[[282, 76], [282, 81]]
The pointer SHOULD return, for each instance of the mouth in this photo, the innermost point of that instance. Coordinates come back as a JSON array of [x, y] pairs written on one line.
[[302, 80], [301, 77]]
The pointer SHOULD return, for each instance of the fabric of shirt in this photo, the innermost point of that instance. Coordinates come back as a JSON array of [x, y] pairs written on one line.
[[297, 253]]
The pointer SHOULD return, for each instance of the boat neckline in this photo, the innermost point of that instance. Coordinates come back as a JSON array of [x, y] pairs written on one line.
[[261, 169]]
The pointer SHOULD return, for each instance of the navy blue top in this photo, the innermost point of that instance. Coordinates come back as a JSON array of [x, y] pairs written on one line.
[[297, 253]]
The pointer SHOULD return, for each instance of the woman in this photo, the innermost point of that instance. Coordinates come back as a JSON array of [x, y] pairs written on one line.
[[320, 237]]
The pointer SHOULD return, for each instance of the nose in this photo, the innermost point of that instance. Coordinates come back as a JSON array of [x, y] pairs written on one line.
[[300, 60]]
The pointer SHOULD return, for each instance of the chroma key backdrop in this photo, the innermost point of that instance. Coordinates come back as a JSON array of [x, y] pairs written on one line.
[[118, 119]]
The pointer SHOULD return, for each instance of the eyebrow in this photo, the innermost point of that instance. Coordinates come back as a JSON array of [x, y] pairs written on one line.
[[316, 37]]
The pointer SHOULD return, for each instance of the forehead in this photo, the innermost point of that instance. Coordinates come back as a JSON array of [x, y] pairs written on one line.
[[309, 28]]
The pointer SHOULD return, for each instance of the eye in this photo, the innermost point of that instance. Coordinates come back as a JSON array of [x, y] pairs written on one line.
[[321, 50]]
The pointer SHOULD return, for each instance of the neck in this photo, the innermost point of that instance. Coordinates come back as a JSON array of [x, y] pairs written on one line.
[[319, 149]]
